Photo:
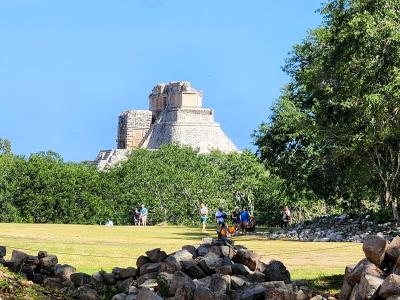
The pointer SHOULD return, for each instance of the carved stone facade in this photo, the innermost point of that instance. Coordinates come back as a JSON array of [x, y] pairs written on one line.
[[133, 125], [175, 115]]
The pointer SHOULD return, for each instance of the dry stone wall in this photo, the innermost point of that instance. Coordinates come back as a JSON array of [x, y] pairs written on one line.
[[377, 276], [212, 270]]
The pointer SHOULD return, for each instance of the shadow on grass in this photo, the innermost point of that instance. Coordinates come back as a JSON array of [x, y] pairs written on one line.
[[326, 284]]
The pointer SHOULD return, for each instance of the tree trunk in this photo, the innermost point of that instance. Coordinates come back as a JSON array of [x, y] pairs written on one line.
[[393, 201], [395, 210]]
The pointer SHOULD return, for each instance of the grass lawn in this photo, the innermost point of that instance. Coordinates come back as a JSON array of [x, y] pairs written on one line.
[[101, 247]]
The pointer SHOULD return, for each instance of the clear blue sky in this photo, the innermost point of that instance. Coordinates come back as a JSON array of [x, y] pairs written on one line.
[[69, 67]]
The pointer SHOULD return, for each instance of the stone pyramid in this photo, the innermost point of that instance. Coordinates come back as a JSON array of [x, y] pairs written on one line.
[[175, 116]]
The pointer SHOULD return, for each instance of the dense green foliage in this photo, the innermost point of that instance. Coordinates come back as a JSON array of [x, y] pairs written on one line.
[[172, 182], [334, 134]]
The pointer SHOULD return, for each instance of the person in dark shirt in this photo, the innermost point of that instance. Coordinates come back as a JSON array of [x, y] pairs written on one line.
[[136, 217], [236, 218]]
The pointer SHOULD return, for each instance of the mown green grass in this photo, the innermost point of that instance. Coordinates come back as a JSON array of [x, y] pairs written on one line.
[[121, 245]]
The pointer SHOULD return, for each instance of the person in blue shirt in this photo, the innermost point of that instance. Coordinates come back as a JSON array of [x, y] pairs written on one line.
[[244, 220], [143, 215], [220, 216]]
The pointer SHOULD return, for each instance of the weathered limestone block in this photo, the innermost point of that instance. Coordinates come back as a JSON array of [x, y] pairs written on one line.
[[79, 279], [239, 281], [363, 267], [170, 265], [247, 258], [149, 268], [239, 269], [276, 271], [393, 249], [374, 248], [48, 261], [156, 255], [203, 293], [220, 283], [345, 291], [390, 286], [147, 294], [355, 295], [64, 271], [224, 270], [178, 280], [195, 272], [210, 261], [18, 258], [369, 286], [142, 260]]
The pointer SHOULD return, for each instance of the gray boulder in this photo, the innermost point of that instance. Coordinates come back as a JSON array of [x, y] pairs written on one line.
[[109, 278], [203, 293], [48, 261], [364, 266], [149, 268], [156, 255], [239, 269], [247, 258], [239, 281], [170, 265], [147, 294], [120, 296], [393, 249], [79, 279], [390, 286], [195, 272], [142, 260], [202, 250], [220, 283], [64, 271], [145, 277], [86, 293], [374, 248], [276, 271], [369, 286], [18, 258], [124, 284], [210, 261], [224, 270]]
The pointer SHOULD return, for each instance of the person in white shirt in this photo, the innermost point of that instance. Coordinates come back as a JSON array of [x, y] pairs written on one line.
[[203, 216], [285, 217]]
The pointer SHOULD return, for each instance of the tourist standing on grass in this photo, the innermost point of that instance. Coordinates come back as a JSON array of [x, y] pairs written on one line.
[[236, 218], [285, 217], [244, 220], [220, 216], [143, 215], [203, 216], [136, 217]]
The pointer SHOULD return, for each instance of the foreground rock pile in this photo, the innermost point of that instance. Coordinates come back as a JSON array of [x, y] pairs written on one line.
[[378, 275], [212, 270], [336, 229]]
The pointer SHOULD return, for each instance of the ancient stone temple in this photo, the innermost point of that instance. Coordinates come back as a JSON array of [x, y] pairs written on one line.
[[175, 115]]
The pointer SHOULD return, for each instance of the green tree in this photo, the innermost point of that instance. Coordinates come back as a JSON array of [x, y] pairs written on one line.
[[5, 146], [344, 97]]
